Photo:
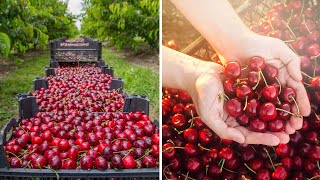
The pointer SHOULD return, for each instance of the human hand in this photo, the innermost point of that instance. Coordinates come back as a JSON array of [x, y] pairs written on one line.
[[205, 92], [277, 53]]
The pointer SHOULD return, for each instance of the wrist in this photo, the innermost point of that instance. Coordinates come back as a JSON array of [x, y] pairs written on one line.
[[235, 49]]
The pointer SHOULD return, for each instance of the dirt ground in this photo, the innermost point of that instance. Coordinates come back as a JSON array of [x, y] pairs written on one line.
[[143, 57], [8, 65]]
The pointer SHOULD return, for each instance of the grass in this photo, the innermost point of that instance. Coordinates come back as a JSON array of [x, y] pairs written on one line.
[[138, 80], [20, 80]]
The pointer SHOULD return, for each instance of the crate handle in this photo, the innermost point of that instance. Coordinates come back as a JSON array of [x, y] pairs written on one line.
[[5, 130]]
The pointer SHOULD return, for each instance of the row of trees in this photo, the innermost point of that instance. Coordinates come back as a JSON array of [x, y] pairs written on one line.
[[123, 22], [26, 24]]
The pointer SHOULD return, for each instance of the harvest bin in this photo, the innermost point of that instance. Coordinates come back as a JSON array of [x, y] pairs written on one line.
[[82, 50], [9, 173]]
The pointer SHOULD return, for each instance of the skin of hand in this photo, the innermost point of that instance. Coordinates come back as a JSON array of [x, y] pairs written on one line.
[[229, 36], [202, 81]]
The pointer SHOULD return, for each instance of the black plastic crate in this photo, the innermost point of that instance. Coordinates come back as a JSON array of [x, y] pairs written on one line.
[[24, 173], [83, 49]]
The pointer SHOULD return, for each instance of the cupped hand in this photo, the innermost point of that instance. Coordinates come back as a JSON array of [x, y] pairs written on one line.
[[277, 53], [206, 95]]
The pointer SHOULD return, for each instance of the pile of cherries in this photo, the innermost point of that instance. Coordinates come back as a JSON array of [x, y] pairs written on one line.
[[81, 88], [70, 133], [74, 139], [255, 96], [297, 23], [191, 150]]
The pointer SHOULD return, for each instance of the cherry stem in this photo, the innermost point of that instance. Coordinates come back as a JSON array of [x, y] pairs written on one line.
[[187, 176], [203, 147], [291, 31], [278, 164], [57, 175], [315, 57], [258, 82], [249, 168], [318, 118], [304, 22], [13, 155], [119, 139], [179, 132], [265, 149], [167, 167], [318, 164], [192, 116], [246, 103], [280, 87], [244, 178], [23, 129], [207, 166], [302, 8], [314, 177], [271, 24], [224, 96], [170, 140], [290, 17], [230, 171], [222, 163], [147, 153], [295, 102], [244, 68], [314, 69], [264, 79], [171, 148], [288, 41], [287, 112], [305, 74], [253, 148]]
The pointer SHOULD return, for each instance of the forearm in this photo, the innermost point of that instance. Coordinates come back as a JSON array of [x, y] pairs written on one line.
[[217, 21], [181, 71]]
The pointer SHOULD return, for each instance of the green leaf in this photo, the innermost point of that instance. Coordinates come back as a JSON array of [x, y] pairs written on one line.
[[5, 44]]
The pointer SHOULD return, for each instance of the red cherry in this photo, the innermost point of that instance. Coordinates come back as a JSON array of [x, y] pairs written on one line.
[[253, 78], [234, 107], [313, 49], [228, 87], [287, 95], [129, 162], [276, 125], [270, 72], [63, 145], [232, 70], [194, 165], [226, 153], [168, 150], [280, 173], [244, 91], [258, 125], [270, 93], [100, 163], [283, 150], [256, 63], [243, 119], [190, 135], [268, 111], [178, 121], [172, 44], [86, 162], [252, 108]]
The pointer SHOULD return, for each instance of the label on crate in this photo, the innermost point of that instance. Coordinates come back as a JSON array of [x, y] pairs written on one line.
[[75, 50]]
